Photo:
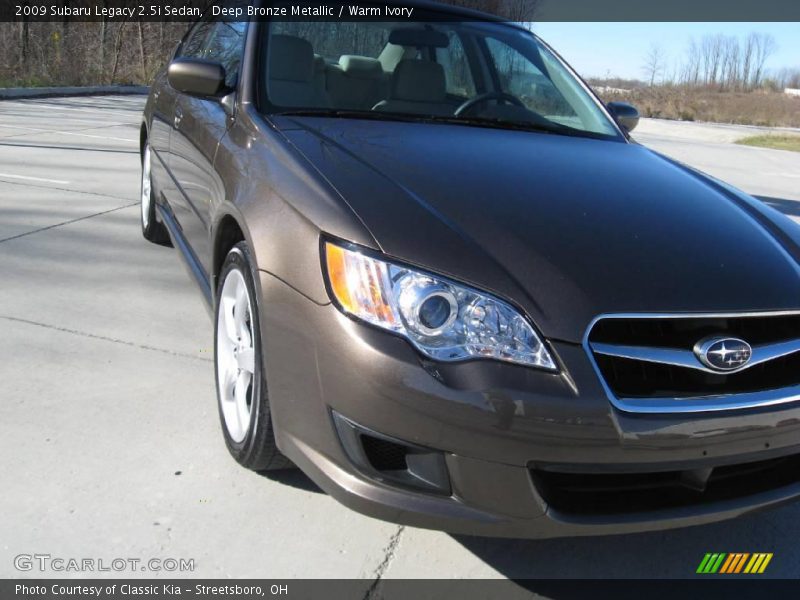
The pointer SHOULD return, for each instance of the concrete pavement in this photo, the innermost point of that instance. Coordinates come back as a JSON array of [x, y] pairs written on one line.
[[710, 148], [110, 433]]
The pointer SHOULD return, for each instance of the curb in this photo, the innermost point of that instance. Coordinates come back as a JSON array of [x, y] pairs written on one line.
[[51, 92]]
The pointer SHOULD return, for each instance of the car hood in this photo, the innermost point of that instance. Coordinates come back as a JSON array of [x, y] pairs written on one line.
[[567, 228]]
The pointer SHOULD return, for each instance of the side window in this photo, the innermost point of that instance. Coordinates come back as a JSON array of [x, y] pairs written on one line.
[[458, 75], [522, 78], [225, 45], [192, 46]]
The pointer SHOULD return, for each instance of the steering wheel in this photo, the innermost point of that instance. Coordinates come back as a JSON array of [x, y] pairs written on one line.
[[483, 98]]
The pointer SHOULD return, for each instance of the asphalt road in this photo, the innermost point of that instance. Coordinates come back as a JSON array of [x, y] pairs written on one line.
[[111, 441]]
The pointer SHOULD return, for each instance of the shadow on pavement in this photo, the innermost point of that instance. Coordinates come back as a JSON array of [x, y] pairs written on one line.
[[663, 554], [118, 102], [294, 478], [790, 208]]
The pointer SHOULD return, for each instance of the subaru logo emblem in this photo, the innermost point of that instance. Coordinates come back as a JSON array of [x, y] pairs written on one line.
[[723, 353]]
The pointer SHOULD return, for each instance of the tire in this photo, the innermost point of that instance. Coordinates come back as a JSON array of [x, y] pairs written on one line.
[[242, 397], [152, 229]]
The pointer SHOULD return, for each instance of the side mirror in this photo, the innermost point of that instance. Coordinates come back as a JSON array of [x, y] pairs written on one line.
[[196, 76], [626, 115]]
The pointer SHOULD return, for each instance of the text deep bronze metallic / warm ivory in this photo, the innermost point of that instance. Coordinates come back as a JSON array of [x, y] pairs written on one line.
[[449, 287]]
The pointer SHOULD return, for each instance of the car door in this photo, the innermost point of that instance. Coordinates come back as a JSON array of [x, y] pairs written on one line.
[[191, 47], [163, 102], [199, 125]]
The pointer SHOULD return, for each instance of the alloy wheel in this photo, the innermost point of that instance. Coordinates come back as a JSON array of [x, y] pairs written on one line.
[[236, 366]]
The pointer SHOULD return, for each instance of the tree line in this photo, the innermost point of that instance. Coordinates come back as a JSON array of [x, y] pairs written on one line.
[[722, 62], [84, 53]]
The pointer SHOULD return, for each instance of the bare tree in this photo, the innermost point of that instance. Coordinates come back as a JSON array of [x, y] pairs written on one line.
[[690, 73], [764, 46], [729, 70], [711, 49], [521, 11], [654, 63], [726, 62], [746, 66], [142, 51], [117, 50]]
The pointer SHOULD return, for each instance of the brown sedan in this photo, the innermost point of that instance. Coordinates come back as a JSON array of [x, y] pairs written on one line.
[[449, 287]]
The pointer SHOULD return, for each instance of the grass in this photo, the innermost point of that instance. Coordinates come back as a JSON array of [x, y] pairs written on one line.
[[762, 108], [778, 142]]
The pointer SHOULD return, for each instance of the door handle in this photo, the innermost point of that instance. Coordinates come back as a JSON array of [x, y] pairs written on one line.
[[156, 94], [178, 117]]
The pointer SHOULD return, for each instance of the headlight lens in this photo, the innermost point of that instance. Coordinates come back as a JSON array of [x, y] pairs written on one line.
[[444, 320]]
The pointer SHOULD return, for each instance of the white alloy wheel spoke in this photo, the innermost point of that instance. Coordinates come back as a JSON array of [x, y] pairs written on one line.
[[240, 392], [229, 383], [241, 314], [228, 310], [246, 359], [146, 187]]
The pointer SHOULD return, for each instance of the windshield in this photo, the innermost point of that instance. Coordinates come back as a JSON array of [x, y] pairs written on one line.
[[475, 73]]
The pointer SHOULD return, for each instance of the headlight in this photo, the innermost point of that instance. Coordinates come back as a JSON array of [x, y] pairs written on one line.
[[444, 320]]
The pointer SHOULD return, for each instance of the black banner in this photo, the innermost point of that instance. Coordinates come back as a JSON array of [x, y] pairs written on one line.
[[741, 588], [339, 10]]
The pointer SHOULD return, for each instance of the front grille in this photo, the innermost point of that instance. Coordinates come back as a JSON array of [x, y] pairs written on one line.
[[681, 332], [639, 379], [606, 494]]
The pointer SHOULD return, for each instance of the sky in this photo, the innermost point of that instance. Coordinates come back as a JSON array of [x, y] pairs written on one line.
[[619, 49]]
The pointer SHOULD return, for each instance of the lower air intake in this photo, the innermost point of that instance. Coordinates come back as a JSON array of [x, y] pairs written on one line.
[[384, 455]]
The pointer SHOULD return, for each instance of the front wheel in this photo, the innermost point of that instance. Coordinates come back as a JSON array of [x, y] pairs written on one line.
[[241, 384], [152, 229]]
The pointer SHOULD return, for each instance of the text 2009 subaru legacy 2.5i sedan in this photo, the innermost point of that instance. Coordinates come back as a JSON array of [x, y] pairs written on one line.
[[449, 287]]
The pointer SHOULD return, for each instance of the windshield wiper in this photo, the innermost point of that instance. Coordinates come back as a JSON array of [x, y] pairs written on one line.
[[351, 114], [549, 127]]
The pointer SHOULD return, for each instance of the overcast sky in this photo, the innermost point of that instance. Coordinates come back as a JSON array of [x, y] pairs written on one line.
[[619, 49]]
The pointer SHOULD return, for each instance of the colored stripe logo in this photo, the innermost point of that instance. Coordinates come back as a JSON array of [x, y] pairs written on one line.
[[734, 563]]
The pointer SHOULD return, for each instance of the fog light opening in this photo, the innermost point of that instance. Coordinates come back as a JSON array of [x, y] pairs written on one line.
[[384, 455], [393, 461]]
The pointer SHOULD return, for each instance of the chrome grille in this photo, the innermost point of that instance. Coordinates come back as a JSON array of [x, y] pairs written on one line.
[[649, 363]]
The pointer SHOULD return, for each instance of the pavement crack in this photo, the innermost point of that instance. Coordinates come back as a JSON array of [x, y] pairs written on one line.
[[374, 591], [61, 189], [72, 148], [104, 212], [104, 338]]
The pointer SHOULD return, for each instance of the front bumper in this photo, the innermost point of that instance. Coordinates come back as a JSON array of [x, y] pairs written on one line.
[[493, 423]]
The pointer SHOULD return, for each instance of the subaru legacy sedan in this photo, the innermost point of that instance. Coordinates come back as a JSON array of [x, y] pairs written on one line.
[[449, 287]]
